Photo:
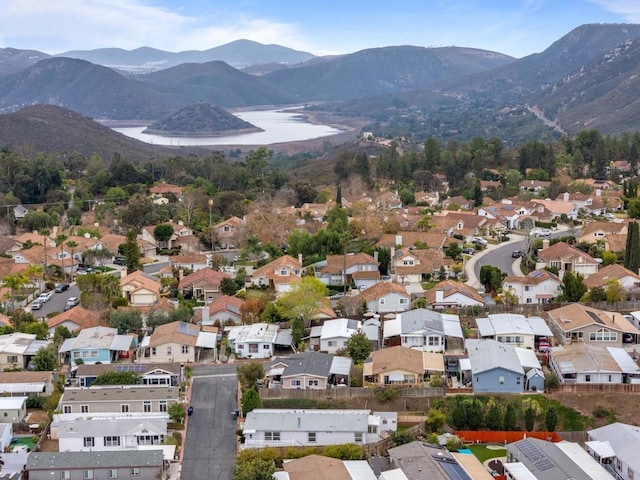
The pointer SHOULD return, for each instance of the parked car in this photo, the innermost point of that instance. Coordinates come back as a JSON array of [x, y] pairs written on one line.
[[45, 297], [627, 337], [120, 261], [37, 304], [543, 232], [71, 302], [469, 251], [479, 241], [543, 344], [61, 287], [516, 254]]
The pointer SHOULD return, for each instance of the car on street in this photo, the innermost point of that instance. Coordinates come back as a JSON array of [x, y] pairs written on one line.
[[516, 254], [45, 297], [37, 304], [542, 232], [479, 241], [469, 251], [71, 302], [61, 287]]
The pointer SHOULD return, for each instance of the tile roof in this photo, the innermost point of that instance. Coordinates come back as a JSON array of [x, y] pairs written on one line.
[[564, 251], [533, 278], [77, 315], [449, 288], [174, 332], [612, 271], [381, 289], [316, 467], [206, 275], [575, 316], [140, 280], [336, 263], [397, 358]]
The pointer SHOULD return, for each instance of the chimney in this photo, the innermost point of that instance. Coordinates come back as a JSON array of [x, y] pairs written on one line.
[[598, 192], [180, 274], [545, 243], [375, 255], [54, 231], [300, 258], [565, 196], [205, 314], [393, 252], [399, 240], [439, 295]]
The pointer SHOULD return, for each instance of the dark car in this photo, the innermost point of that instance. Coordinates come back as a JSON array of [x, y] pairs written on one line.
[[61, 287], [516, 254], [469, 251], [120, 261]]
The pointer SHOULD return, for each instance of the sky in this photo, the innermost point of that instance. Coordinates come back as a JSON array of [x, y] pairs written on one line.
[[321, 27]]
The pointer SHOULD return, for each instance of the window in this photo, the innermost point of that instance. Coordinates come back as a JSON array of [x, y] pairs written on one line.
[[76, 354], [65, 475], [358, 437], [113, 441], [265, 347], [283, 272], [94, 354], [518, 380], [153, 350], [112, 473], [272, 436], [587, 378], [134, 471], [162, 405], [434, 341], [253, 348], [185, 349], [372, 429], [169, 350], [240, 347], [85, 354], [313, 383], [404, 301], [331, 343], [66, 409], [382, 301], [527, 288], [146, 407], [87, 474], [150, 439], [311, 437], [603, 335], [528, 300], [12, 359], [124, 408], [84, 408], [89, 442], [501, 380], [296, 383]]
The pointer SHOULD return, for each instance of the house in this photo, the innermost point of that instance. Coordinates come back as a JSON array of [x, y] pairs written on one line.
[[230, 232], [19, 211], [535, 186], [175, 342], [360, 269], [385, 297], [531, 458], [317, 467], [448, 294], [433, 240], [578, 323], [279, 274], [95, 432], [282, 427], [629, 280], [169, 374], [14, 350], [616, 445], [558, 208], [309, 370], [566, 258], [335, 334], [25, 383], [513, 329], [402, 366], [534, 375], [422, 329], [75, 319], [13, 409], [164, 189], [97, 345], [224, 309], [592, 363], [257, 340], [600, 230], [122, 398], [182, 237], [495, 367], [419, 460], [139, 464], [140, 289], [190, 261], [413, 266], [203, 285], [539, 286]]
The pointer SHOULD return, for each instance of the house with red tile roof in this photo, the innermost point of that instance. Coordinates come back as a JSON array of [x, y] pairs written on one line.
[[413, 266], [225, 309], [385, 297], [75, 319], [452, 294], [278, 274], [140, 289], [539, 286], [566, 258], [629, 280], [358, 268], [230, 232], [203, 284]]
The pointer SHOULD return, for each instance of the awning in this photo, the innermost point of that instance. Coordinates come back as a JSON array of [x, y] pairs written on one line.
[[275, 372], [340, 366], [284, 338], [544, 295], [451, 325], [602, 449], [207, 340], [465, 364]]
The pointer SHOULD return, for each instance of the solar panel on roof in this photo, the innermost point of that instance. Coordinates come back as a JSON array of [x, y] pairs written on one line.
[[453, 469], [535, 273], [595, 318], [131, 367], [185, 328], [544, 464], [531, 451]]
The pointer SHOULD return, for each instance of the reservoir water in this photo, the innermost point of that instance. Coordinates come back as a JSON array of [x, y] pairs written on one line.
[[278, 125]]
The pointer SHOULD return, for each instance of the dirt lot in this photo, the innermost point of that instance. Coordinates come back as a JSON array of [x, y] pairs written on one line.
[[625, 405]]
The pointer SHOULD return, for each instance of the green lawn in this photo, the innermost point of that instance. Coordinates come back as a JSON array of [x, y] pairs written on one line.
[[483, 454]]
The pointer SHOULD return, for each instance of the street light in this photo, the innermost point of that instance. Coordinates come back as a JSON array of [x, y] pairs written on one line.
[[211, 224]]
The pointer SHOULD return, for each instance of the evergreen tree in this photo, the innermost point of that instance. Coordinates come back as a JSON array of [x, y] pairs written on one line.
[[459, 414], [250, 400], [510, 417], [475, 414], [551, 419], [494, 417], [573, 287], [632, 250], [529, 418]]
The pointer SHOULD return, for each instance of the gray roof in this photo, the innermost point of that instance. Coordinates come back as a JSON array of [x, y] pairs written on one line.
[[76, 425], [141, 368], [125, 394], [623, 438], [488, 355], [310, 363], [421, 460], [545, 460], [105, 459], [284, 420], [421, 319]]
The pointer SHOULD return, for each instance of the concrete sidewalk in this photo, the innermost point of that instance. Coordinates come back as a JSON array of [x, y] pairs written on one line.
[[470, 264]]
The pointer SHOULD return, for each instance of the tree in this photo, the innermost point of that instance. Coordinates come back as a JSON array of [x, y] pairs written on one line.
[[453, 250], [45, 241], [39, 329], [573, 287], [118, 378], [529, 418], [614, 291], [131, 252], [60, 239], [491, 278], [435, 420], [98, 290], [176, 412], [163, 233], [475, 415], [250, 400], [494, 417], [228, 286], [61, 334], [459, 416], [249, 374], [45, 359], [72, 246], [304, 299], [632, 250], [510, 417], [14, 283], [551, 419], [348, 451], [126, 322], [359, 347], [255, 469]]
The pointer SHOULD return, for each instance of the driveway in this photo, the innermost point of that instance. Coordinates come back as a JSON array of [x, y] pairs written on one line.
[[210, 445]]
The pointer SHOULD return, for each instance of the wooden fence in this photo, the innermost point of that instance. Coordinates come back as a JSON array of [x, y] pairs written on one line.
[[504, 437], [538, 308], [348, 392], [599, 387]]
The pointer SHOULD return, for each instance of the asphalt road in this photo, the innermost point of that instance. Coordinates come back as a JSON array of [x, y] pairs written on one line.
[[210, 445], [57, 302]]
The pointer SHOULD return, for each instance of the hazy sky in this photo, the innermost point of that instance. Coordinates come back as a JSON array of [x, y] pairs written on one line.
[[513, 27]]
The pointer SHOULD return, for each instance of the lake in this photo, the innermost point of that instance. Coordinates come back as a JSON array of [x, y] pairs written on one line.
[[279, 126]]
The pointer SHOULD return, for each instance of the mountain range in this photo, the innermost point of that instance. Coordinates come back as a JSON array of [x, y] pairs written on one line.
[[586, 79]]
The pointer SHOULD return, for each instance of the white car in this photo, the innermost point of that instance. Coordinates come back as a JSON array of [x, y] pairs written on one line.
[[543, 232], [479, 241], [44, 297]]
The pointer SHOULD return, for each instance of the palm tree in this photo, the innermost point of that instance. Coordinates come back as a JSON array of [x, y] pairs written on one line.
[[60, 238], [35, 273], [45, 233], [72, 245], [13, 283]]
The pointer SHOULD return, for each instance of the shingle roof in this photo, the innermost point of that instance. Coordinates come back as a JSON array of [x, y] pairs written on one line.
[[316, 467], [207, 275], [487, 355], [103, 459], [397, 358], [110, 394], [381, 289], [174, 332], [575, 315], [612, 271]]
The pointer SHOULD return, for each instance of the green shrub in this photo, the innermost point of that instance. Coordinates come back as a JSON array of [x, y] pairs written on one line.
[[386, 394], [33, 401]]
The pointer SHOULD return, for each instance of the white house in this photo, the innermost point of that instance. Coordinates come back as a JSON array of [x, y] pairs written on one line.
[[253, 341], [540, 286], [335, 333], [275, 428], [513, 328], [108, 431], [617, 445], [422, 329], [385, 297], [13, 409]]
